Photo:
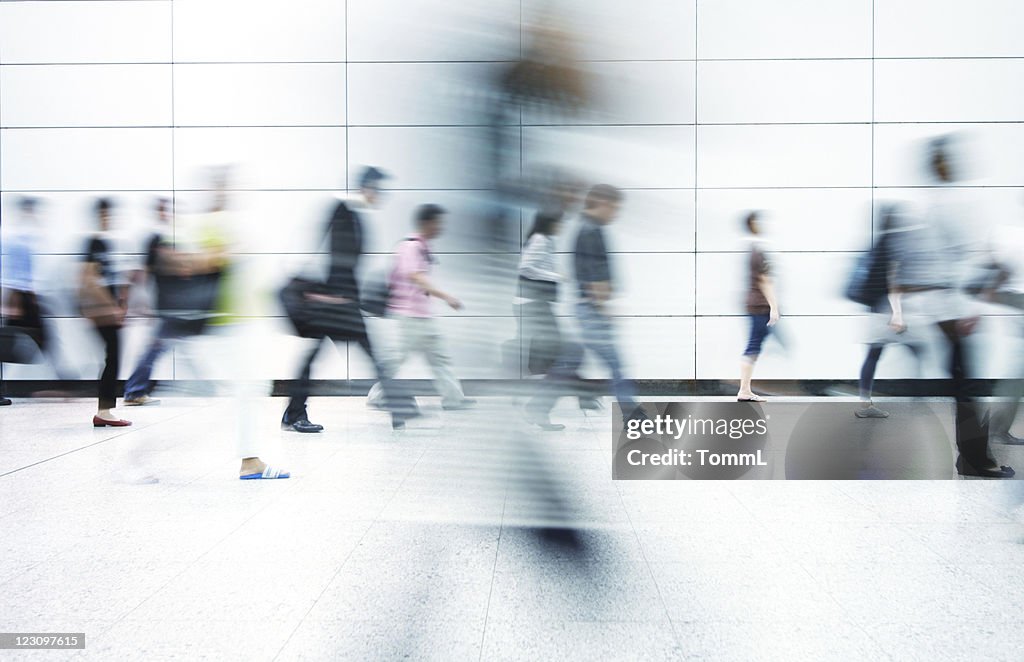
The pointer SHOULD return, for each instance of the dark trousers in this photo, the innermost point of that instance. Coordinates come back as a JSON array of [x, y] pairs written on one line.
[[111, 336], [972, 427], [867, 370], [31, 318], [140, 383], [548, 345], [395, 399], [1009, 391]]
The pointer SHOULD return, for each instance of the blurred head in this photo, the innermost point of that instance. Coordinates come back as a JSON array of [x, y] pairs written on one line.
[[220, 178], [28, 206], [888, 214], [429, 220], [545, 224], [940, 159], [103, 209], [163, 210], [370, 181], [568, 192], [752, 222], [603, 203]]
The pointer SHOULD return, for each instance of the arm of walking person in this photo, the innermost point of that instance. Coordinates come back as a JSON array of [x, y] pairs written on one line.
[[421, 281], [327, 298], [208, 261], [895, 295], [12, 303], [599, 292], [767, 288]]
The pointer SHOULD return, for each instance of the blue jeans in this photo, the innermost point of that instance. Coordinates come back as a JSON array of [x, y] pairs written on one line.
[[140, 384], [759, 330], [599, 338]]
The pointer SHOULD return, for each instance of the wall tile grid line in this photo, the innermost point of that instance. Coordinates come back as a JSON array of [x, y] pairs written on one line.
[[810, 111]]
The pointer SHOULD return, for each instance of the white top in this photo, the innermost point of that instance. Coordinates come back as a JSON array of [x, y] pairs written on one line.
[[538, 259], [1008, 246]]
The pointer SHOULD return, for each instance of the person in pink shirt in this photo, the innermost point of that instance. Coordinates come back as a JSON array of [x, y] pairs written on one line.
[[410, 301]]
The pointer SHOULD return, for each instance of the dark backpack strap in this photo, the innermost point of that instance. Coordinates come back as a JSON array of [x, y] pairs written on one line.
[[424, 249]]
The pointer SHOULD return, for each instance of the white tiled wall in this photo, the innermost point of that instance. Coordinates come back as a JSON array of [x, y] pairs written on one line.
[[702, 109]]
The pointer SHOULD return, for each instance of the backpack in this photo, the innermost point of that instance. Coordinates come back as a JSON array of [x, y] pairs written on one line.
[[375, 293], [868, 284]]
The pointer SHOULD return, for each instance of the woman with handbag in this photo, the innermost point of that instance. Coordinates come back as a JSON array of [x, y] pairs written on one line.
[[548, 351], [103, 302]]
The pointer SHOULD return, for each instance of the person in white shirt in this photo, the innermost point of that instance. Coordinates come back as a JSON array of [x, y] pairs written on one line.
[[929, 275], [548, 350], [1008, 290]]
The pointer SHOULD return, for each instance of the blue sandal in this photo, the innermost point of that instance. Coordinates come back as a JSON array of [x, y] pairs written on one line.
[[269, 473]]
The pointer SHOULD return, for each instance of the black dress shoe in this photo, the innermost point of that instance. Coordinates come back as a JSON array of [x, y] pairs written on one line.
[[589, 404], [965, 468], [301, 425], [4, 402], [1007, 439]]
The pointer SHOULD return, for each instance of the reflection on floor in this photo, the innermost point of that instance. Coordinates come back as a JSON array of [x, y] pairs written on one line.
[[424, 544]]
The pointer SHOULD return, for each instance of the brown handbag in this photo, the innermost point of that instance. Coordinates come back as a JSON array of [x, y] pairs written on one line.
[[95, 302]]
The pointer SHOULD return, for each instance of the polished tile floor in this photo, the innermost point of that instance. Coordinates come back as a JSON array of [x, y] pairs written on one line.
[[424, 544]]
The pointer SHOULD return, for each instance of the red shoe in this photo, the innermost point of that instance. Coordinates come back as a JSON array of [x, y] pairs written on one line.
[[98, 422]]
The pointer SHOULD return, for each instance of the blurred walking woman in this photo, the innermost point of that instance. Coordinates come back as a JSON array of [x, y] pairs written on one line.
[[103, 302], [549, 351], [762, 308]]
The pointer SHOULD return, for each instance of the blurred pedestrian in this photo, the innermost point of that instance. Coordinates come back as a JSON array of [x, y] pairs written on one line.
[[218, 246], [1007, 289], [104, 300], [24, 303], [186, 283], [409, 304], [875, 288], [336, 304], [596, 281], [931, 261], [761, 305]]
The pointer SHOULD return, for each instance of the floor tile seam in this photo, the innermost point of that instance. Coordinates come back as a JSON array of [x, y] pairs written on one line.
[[494, 569], [114, 435], [647, 565], [370, 525]]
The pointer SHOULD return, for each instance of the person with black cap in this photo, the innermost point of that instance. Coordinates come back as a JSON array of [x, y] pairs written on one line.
[[338, 298]]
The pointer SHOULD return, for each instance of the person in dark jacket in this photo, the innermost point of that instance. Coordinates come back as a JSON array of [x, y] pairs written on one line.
[[594, 274], [186, 285], [337, 301]]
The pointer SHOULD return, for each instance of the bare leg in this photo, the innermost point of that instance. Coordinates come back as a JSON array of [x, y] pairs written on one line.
[[746, 375]]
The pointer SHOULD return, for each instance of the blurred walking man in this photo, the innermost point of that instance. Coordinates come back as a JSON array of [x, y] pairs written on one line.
[[596, 288], [409, 303]]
